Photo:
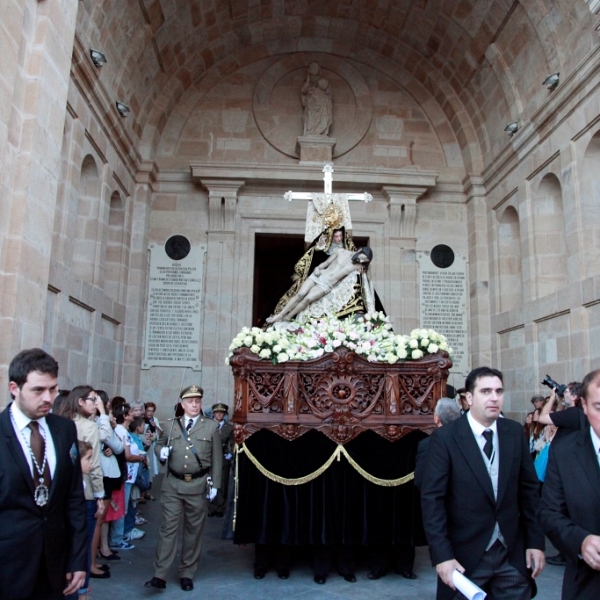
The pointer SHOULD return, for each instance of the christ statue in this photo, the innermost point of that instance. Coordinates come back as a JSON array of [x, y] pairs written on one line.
[[324, 279]]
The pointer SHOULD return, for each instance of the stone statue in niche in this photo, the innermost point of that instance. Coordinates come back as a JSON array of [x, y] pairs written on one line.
[[316, 99]]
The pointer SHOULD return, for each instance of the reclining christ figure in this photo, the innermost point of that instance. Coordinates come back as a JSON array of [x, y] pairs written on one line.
[[323, 279]]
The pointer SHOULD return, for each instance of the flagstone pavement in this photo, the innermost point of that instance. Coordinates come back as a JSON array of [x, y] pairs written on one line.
[[225, 572]]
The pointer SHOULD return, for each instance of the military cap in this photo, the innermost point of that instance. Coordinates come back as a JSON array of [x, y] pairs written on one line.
[[220, 407], [193, 391]]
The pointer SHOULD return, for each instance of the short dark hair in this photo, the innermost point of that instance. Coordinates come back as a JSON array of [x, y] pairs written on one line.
[[475, 374], [587, 381], [120, 411], [149, 405], [27, 361], [137, 421], [575, 388]]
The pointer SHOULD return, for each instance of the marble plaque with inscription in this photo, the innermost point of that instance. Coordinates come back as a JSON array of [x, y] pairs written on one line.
[[174, 303], [443, 301]]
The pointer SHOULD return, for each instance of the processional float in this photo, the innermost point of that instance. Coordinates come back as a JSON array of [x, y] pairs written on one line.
[[328, 411]]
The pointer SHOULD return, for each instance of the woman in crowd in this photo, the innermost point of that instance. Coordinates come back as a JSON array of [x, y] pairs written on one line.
[[81, 406], [112, 447], [153, 431]]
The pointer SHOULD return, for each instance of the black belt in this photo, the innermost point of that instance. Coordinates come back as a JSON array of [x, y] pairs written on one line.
[[189, 476]]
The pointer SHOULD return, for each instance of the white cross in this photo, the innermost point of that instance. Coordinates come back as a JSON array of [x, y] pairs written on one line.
[[328, 179]]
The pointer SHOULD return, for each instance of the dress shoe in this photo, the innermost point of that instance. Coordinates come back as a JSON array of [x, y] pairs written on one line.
[[104, 568], [103, 575], [407, 574], [156, 582], [111, 556], [350, 578], [557, 561], [375, 574], [283, 573], [320, 579], [187, 585], [259, 573]]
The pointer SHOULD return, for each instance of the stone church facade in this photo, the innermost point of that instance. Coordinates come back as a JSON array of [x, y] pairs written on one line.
[[422, 92]]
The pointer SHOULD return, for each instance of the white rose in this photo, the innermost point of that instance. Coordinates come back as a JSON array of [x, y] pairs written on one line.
[[425, 342], [423, 333], [328, 348], [282, 357], [351, 345], [269, 339], [255, 330], [432, 348], [390, 358], [317, 353], [277, 348], [227, 359], [413, 343], [336, 343], [284, 343], [245, 330], [402, 354], [260, 339], [443, 346], [248, 341], [416, 354], [237, 343], [266, 353], [372, 358], [415, 333], [255, 348]]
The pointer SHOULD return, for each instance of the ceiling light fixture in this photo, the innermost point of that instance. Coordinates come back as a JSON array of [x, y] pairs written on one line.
[[97, 57], [512, 128], [123, 109], [551, 81]]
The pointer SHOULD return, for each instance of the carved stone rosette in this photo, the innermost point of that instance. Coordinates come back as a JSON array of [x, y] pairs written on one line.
[[340, 394]]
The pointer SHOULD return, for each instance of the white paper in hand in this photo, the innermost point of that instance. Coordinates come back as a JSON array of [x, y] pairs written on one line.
[[467, 587], [164, 453]]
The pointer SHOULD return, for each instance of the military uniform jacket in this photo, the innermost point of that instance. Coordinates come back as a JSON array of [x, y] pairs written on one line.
[[207, 441], [226, 433]]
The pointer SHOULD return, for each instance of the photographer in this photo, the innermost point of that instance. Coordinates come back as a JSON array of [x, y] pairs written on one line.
[[572, 418]]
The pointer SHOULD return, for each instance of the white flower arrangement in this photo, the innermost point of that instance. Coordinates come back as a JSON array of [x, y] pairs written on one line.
[[370, 336]]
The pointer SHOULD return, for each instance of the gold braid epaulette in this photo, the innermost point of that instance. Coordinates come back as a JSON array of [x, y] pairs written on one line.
[[339, 452]]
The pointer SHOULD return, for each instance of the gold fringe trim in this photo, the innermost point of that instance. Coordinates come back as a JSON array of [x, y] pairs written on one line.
[[339, 452]]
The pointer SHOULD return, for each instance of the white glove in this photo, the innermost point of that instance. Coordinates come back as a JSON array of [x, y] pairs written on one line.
[[164, 453], [228, 456], [212, 494]]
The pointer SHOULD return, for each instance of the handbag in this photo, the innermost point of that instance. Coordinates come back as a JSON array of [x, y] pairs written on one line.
[[142, 479], [541, 462]]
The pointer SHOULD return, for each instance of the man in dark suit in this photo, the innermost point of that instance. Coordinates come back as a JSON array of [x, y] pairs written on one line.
[[570, 506], [446, 411], [479, 496], [43, 546]]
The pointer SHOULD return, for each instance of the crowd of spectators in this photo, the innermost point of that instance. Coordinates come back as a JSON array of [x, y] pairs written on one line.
[[118, 439]]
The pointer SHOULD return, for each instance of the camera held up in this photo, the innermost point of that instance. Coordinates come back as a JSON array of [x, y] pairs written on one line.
[[560, 388]]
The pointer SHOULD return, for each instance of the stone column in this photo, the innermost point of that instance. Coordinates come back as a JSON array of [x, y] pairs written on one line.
[[37, 48], [219, 284], [401, 261], [479, 272]]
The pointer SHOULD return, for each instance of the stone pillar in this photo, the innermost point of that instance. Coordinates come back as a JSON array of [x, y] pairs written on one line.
[[479, 273], [37, 48], [219, 288], [401, 260]]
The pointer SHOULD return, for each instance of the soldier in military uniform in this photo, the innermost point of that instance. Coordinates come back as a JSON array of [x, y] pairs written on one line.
[[192, 453], [218, 506]]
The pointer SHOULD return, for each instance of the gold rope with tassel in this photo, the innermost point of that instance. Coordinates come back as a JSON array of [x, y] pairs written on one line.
[[339, 451]]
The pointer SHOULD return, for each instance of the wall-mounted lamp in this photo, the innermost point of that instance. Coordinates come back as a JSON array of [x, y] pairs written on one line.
[[97, 57], [512, 128], [123, 109], [552, 81]]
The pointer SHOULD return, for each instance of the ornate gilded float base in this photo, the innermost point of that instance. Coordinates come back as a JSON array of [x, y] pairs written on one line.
[[340, 394]]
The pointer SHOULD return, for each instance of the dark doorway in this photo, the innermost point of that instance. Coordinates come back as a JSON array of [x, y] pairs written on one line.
[[274, 258]]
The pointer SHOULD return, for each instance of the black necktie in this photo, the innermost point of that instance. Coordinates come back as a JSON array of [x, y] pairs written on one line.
[[38, 446], [488, 434], [189, 425]]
